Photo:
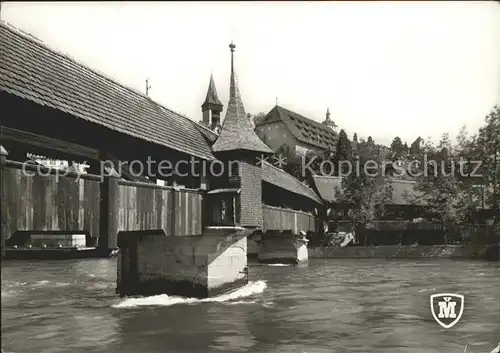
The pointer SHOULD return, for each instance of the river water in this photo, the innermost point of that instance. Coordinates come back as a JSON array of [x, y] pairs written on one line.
[[363, 305]]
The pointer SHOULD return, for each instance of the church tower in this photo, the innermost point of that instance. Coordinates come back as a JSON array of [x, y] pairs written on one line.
[[212, 108], [329, 122]]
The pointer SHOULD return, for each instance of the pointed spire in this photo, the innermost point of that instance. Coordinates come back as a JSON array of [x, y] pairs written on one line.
[[237, 132], [212, 97], [329, 122]]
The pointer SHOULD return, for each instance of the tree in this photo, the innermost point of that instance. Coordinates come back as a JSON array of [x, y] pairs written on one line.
[[439, 186], [344, 148], [366, 189], [397, 145], [488, 151], [259, 117]]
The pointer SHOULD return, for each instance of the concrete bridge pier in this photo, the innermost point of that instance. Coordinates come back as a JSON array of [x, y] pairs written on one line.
[[253, 244], [282, 247], [200, 266]]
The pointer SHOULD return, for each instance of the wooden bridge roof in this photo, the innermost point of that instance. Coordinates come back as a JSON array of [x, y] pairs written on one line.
[[31, 70], [282, 179]]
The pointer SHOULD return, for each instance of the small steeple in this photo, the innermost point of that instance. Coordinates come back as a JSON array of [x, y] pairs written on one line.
[[329, 122], [237, 132], [212, 97], [212, 106]]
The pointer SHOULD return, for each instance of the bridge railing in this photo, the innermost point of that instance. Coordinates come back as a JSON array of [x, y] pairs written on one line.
[[283, 219], [143, 206], [38, 199]]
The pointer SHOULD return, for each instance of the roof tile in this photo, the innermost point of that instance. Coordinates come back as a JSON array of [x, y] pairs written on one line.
[[282, 179], [304, 129], [31, 70]]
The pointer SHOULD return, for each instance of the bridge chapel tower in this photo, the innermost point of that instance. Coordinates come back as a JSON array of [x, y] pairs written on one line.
[[239, 148]]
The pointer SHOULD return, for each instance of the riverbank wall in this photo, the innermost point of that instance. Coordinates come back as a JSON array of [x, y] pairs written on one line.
[[465, 251]]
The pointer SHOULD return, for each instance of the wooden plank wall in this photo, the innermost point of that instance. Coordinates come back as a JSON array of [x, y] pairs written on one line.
[[149, 206], [49, 202], [281, 219]]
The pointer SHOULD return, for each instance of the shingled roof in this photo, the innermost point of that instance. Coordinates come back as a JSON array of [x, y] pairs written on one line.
[[237, 131], [304, 129], [282, 179], [31, 70]]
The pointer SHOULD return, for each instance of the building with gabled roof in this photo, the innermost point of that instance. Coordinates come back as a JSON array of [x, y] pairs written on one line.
[[282, 126]]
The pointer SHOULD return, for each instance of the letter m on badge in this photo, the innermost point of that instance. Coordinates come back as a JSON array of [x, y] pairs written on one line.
[[447, 308]]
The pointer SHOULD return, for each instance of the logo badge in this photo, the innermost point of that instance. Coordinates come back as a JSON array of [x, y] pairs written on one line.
[[447, 308]]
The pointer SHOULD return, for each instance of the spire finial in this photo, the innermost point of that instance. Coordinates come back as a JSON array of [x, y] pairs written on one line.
[[327, 113], [148, 86], [231, 47]]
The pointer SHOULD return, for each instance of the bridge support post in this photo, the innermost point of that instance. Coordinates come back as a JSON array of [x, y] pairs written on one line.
[[282, 247], [3, 216], [108, 209], [151, 263]]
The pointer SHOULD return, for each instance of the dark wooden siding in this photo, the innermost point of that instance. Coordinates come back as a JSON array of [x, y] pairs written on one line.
[[49, 202], [148, 206]]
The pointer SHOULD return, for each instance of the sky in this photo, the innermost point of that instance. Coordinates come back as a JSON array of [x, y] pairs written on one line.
[[384, 69]]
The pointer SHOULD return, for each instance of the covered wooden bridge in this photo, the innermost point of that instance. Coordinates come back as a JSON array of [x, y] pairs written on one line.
[[58, 108]]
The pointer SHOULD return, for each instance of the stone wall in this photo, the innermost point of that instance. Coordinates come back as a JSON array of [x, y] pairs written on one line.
[[400, 251]]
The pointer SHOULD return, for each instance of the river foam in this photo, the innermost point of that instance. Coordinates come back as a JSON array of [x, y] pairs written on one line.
[[248, 290]]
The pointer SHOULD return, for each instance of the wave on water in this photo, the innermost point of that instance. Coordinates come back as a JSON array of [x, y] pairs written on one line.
[[427, 290], [164, 300], [11, 288], [279, 265]]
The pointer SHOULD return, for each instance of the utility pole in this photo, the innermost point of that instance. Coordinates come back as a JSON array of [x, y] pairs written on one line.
[[148, 86]]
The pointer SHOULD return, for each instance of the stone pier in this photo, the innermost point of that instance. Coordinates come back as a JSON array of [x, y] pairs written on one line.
[[253, 244], [284, 247], [200, 266]]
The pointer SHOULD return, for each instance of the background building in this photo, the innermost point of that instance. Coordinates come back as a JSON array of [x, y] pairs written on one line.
[[281, 126]]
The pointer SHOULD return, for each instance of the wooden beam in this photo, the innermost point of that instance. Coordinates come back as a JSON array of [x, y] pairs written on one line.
[[28, 138]]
